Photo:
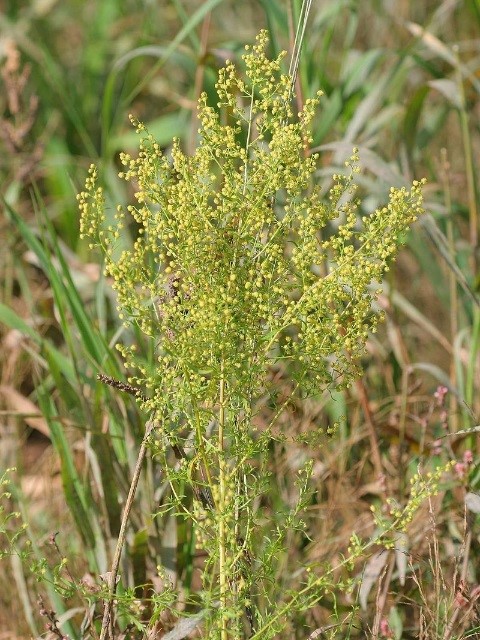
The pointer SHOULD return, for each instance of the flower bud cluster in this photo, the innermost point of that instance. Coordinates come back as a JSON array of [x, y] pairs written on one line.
[[229, 271]]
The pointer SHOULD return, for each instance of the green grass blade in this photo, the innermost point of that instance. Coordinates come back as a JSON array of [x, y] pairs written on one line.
[[77, 495], [107, 103]]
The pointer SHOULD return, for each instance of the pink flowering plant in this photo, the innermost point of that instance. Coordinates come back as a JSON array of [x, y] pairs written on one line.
[[236, 268]]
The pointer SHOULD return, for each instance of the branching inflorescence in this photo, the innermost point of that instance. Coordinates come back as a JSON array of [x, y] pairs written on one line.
[[233, 270]]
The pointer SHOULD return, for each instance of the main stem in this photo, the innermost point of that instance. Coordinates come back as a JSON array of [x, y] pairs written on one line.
[[221, 509]]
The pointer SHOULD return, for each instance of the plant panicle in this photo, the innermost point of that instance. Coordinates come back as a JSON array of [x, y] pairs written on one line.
[[236, 268]]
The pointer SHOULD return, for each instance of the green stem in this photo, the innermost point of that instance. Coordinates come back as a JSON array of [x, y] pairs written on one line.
[[469, 167], [221, 509]]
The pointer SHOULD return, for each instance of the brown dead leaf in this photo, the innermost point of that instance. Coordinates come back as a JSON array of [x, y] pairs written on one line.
[[25, 409]]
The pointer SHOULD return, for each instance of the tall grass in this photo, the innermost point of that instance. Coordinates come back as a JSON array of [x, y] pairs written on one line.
[[400, 86]]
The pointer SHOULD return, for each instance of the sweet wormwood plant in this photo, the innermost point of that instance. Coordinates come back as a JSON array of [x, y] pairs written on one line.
[[229, 275]]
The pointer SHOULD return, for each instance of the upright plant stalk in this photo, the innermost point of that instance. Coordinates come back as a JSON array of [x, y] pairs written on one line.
[[229, 276], [469, 168], [222, 551], [113, 574]]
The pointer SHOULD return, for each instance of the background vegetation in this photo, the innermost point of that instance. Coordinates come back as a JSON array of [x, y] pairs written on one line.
[[401, 82]]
